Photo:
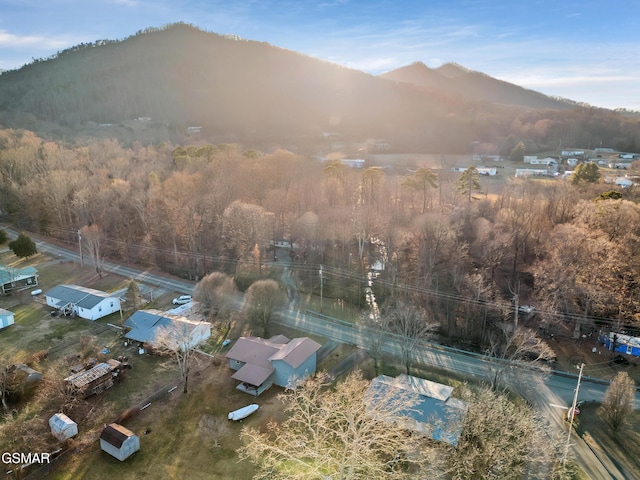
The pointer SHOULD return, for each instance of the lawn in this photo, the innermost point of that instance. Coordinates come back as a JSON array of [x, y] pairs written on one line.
[[623, 448], [187, 436]]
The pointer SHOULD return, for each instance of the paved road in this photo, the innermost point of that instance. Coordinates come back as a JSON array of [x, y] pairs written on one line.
[[541, 391], [149, 278]]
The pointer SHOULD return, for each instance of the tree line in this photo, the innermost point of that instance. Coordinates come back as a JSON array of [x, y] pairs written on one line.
[[196, 209]]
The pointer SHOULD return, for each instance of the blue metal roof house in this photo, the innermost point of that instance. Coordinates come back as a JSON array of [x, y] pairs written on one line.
[[83, 302], [17, 278], [436, 414], [145, 325]]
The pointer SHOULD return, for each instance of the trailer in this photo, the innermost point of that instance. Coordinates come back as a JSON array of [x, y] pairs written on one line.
[[619, 342]]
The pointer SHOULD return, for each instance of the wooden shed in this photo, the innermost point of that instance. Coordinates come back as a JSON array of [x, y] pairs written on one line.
[[118, 441], [62, 427]]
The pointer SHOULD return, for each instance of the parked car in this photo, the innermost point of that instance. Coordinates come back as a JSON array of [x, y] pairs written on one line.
[[226, 342], [37, 291], [525, 309], [182, 300]]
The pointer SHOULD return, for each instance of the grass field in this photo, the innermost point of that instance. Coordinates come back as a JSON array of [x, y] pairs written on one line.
[[623, 448]]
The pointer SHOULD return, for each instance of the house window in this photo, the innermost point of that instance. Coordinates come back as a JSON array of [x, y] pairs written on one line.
[[628, 349], [111, 304], [99, 309]]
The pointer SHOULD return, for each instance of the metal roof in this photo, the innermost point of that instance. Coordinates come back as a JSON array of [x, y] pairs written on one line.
[[8, 274], [82, 379], [115, 434], [252, 374], [296, 352], [81, 296]]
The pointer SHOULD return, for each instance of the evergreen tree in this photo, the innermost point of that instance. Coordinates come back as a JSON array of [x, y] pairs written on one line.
[[517, 154], [586, 173], [23, 246], [469, 181]]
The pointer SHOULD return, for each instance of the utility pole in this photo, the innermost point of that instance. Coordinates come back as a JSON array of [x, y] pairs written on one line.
[[321, 288], [80, 248], [572, 413]]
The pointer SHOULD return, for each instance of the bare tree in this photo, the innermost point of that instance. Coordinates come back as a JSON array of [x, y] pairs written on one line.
[[501, 439], [6, 380], [91, 238], [179, 342], [411, 327], [333, 432], [262, 298], [217, 294], [509, 345], [618, 401], [374, 327]]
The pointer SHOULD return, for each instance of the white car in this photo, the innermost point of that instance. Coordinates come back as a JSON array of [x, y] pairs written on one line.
[[525, 309], [182, 300]]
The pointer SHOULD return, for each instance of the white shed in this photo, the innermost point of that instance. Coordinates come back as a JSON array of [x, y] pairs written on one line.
[[62, 427], [6, 318], [119, 441]]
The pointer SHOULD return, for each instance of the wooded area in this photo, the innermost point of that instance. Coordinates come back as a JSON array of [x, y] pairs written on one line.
[[460, 257]]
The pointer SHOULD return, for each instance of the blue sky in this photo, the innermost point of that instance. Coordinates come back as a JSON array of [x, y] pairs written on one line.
[[585, 50]]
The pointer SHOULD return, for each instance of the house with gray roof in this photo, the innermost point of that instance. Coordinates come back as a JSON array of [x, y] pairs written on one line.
[[145, 326], [14, 279], [437, 414], [261, 363], [81, 301]]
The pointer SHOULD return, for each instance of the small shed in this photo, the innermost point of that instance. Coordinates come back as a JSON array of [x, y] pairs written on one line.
[[6, 318], [118, 441], [62, 427]]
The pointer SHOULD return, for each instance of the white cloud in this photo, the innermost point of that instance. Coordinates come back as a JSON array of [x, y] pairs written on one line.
[[10, 40]]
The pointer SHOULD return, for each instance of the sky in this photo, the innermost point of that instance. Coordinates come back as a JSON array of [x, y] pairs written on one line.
[[584, 50]]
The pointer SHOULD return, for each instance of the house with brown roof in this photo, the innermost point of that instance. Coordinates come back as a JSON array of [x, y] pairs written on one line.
[[261, 363], [119, 441]]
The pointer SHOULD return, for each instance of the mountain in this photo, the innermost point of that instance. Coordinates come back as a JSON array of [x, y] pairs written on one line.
[[183, 76], [458, 80], [241, 91]]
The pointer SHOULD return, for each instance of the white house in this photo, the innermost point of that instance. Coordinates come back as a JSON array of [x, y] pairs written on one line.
[[548, 161], [536, 172], [278, 361], [6, 318], [118, 441], [145, 326], [491, 171], [83, 302], [62, 427]]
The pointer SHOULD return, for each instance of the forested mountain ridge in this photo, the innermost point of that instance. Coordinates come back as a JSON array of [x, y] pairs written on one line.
[[251, 92], [455, 79]]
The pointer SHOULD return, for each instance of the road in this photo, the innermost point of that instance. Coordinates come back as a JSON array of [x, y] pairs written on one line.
[[140, 276], [542, 391]]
